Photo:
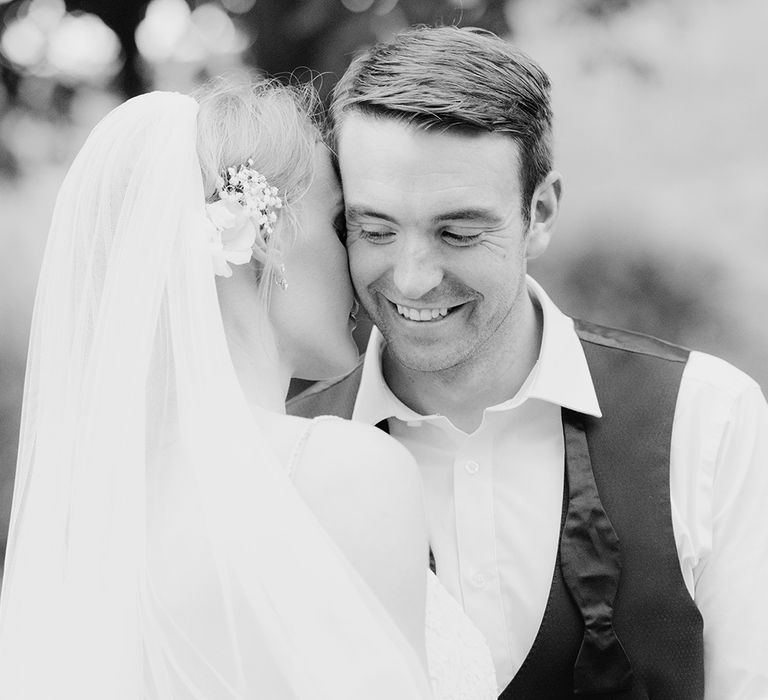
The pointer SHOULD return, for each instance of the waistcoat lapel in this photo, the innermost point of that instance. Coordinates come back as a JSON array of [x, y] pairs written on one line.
[[590, 561], [335, 398]]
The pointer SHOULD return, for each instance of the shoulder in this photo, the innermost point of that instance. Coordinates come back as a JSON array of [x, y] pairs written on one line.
[[619, 339], [363, 458], [330, 450], [717, 400], [362, 484], [365, 489], [720, 428], [712, 375], [284, 433]]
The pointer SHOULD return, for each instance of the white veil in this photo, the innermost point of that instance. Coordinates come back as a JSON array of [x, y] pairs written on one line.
[[130, 386]]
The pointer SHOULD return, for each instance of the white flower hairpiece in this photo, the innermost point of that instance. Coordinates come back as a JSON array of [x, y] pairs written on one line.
[[244, 214]]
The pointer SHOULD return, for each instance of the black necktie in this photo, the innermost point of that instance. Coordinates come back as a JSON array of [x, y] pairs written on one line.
[[590, 561]]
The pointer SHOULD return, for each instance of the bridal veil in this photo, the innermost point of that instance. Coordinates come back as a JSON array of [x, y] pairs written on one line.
[[129, 372]]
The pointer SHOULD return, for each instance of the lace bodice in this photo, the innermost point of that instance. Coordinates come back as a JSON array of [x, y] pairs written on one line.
[[459, 660], [460, 664]]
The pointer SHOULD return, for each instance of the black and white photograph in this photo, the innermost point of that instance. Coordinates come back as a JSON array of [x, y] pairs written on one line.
[[383, 349]]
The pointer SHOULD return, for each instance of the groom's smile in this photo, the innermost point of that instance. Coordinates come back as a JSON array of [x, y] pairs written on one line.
[[424, 322], [421, 314]]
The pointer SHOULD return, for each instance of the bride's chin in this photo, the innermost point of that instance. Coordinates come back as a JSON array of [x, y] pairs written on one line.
[[349, 354], [347, 366], [331, 362]]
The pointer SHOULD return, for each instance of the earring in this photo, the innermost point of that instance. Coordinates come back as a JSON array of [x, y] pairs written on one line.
[[280, 279]]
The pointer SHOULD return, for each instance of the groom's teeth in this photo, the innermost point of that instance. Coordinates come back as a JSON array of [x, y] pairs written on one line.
[[421, 314]]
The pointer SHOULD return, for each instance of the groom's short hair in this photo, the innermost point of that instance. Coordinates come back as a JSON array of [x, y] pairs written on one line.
[[465, 80]]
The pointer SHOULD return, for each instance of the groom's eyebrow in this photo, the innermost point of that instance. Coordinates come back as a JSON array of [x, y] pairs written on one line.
[[478, 214], [355, 212]]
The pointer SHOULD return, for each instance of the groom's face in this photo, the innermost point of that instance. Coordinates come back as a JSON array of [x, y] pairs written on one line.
[[436, 239]]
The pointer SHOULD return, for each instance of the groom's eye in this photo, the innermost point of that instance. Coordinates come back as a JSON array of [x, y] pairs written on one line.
[[460, 239], [378, 236]]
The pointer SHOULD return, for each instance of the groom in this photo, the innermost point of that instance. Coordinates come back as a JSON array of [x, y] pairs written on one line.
[[595, 498]]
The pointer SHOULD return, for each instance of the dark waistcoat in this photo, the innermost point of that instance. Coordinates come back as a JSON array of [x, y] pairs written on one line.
[[619, 623], [657, 624]]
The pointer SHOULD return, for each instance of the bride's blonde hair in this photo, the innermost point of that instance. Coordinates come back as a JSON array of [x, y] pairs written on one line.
[[274, 125]]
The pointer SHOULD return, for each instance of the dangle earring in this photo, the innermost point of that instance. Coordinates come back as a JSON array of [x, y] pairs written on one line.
[[278, 269], [280, 279]]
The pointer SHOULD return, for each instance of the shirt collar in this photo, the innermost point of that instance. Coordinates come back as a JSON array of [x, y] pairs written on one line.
[[560, 376], [375, 400]]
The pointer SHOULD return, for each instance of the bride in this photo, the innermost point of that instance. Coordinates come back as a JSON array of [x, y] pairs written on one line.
[[175, 535]]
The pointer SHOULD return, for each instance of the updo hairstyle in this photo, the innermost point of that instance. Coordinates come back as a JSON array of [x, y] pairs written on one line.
[[274, 125]]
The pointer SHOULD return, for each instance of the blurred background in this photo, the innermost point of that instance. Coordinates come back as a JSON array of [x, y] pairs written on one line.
[[661, 109]]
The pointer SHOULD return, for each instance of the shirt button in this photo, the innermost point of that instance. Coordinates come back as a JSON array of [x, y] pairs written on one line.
[[472, 467], [478, 581]]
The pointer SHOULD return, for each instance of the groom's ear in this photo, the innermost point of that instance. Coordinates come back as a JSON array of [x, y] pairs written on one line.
[[545, 207]]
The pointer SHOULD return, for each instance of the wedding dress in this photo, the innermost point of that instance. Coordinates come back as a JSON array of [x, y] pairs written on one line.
[[458, 658]]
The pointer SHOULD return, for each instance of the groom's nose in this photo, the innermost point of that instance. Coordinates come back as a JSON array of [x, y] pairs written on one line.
[[417, 269]]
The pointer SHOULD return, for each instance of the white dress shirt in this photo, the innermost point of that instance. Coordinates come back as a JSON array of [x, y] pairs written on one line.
[[494, 500]]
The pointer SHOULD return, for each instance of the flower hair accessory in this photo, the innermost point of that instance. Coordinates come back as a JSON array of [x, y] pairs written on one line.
[[243, 217]]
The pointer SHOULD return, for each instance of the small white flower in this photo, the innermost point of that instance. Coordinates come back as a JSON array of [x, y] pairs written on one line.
[[244, 211]]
